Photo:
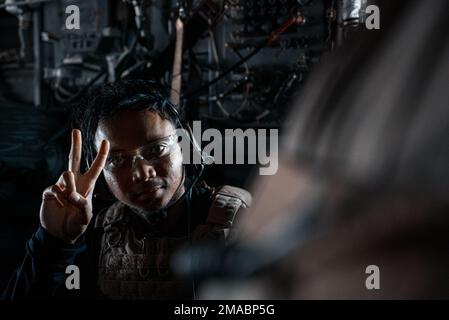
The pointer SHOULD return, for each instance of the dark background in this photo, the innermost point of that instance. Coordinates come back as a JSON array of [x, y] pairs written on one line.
[[43, 75]]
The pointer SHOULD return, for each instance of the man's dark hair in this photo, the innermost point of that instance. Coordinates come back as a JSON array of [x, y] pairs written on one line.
[[105, 100]]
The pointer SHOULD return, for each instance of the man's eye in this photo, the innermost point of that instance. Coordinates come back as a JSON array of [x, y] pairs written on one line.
[[157, 149], [116, 161]]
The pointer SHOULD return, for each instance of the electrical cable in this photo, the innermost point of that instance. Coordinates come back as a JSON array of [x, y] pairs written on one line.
[[298, 19], [20, 3], [80, 92]]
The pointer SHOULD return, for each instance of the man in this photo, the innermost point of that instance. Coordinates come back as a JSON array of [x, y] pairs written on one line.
[[124, 251]]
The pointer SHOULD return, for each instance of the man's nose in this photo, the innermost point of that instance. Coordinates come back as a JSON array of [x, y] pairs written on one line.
[[142, 170]]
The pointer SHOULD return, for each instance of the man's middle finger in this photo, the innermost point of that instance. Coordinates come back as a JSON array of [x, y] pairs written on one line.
[[75, 152]]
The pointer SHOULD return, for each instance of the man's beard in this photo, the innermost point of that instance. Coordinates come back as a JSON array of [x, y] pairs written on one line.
[[155, 214]]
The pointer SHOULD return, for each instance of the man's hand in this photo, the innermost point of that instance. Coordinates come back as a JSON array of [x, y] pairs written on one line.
[[66, 208]]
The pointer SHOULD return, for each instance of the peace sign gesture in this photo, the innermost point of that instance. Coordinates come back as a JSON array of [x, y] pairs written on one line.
[[66, 208]]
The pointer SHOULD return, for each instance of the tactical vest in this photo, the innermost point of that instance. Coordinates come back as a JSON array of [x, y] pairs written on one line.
[[130, 267]]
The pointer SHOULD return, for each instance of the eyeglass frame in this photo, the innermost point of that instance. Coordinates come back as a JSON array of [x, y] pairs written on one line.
[[172, 138]]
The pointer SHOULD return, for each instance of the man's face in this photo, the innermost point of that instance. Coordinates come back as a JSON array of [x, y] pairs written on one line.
[[142, 184]]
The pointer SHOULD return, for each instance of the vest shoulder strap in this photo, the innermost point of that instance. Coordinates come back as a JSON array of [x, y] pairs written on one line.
[[109, 215], [227, 201]]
